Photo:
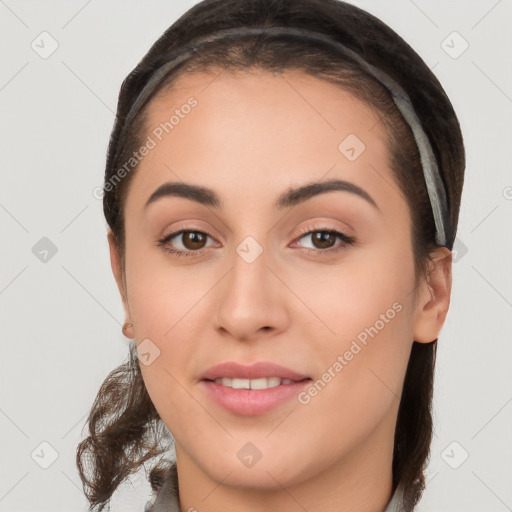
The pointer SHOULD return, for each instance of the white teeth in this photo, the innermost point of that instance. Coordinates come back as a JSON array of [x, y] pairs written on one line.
[[241, 384], [261, 383], [273, 382]]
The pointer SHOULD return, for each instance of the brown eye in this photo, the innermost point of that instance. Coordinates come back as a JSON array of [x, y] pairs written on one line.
[[186, 242], [193, 240], [323, 239]]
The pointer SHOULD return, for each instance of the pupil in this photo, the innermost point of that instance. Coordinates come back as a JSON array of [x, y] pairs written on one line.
[[323, 238], [194, 240]]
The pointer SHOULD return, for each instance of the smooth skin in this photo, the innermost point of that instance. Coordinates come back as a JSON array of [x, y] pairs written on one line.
[[251, 137]]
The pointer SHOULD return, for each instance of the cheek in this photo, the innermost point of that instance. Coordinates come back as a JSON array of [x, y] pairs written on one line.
[[160, 300], [367, 295], [362, 336], [161, 295]]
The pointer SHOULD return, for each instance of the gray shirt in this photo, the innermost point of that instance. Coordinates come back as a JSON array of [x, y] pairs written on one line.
[[166, 499]]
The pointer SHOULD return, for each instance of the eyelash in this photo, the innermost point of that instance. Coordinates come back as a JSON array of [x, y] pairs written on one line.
[[346, 241]]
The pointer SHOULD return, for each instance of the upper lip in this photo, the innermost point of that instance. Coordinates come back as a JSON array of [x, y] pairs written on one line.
[[257, 370]]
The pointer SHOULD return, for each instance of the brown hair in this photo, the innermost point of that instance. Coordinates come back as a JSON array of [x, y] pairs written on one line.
[[125, 428]]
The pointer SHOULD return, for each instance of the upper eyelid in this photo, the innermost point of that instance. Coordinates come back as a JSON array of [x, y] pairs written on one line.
[[305, 230]]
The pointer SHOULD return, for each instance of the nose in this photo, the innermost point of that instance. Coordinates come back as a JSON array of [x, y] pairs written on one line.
[[252, 300]]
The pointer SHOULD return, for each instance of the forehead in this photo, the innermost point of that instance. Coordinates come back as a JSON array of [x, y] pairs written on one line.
[[244, 128], [327, 105]]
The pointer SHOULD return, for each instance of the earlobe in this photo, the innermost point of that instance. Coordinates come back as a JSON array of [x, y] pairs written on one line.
[[434, 297]]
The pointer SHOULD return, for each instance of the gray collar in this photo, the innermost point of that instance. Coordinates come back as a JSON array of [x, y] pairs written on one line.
[[166, 500]]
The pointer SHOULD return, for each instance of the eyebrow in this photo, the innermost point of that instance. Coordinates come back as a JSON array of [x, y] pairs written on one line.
[[287, 199]]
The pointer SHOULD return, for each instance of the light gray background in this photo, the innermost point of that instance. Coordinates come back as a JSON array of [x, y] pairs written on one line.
[[61, 319]]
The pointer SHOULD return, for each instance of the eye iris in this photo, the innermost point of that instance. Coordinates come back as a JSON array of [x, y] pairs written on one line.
[[192, 238], [324, 238]]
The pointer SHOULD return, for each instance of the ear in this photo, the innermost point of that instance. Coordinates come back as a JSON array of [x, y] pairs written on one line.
[[117, 270], [434, 297]]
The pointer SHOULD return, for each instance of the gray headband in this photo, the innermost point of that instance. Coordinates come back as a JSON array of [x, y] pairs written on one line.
[[433, 181]]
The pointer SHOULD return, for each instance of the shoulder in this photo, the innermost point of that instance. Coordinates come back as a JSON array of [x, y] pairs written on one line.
[[166, 498], [397, 501]]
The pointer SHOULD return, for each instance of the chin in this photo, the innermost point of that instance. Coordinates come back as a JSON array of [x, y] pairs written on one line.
[[267, 474]]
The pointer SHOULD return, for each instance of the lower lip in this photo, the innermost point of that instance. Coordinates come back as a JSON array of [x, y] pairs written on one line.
[[252, 402]]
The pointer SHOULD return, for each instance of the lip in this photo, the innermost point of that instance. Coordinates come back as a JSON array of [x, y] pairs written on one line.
[[257, 370], [251, 402]]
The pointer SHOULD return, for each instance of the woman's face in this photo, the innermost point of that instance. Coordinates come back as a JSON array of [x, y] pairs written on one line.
[[264, 277]]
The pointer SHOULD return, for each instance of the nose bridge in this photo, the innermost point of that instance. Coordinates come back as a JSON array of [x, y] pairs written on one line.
[[249, 299]]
